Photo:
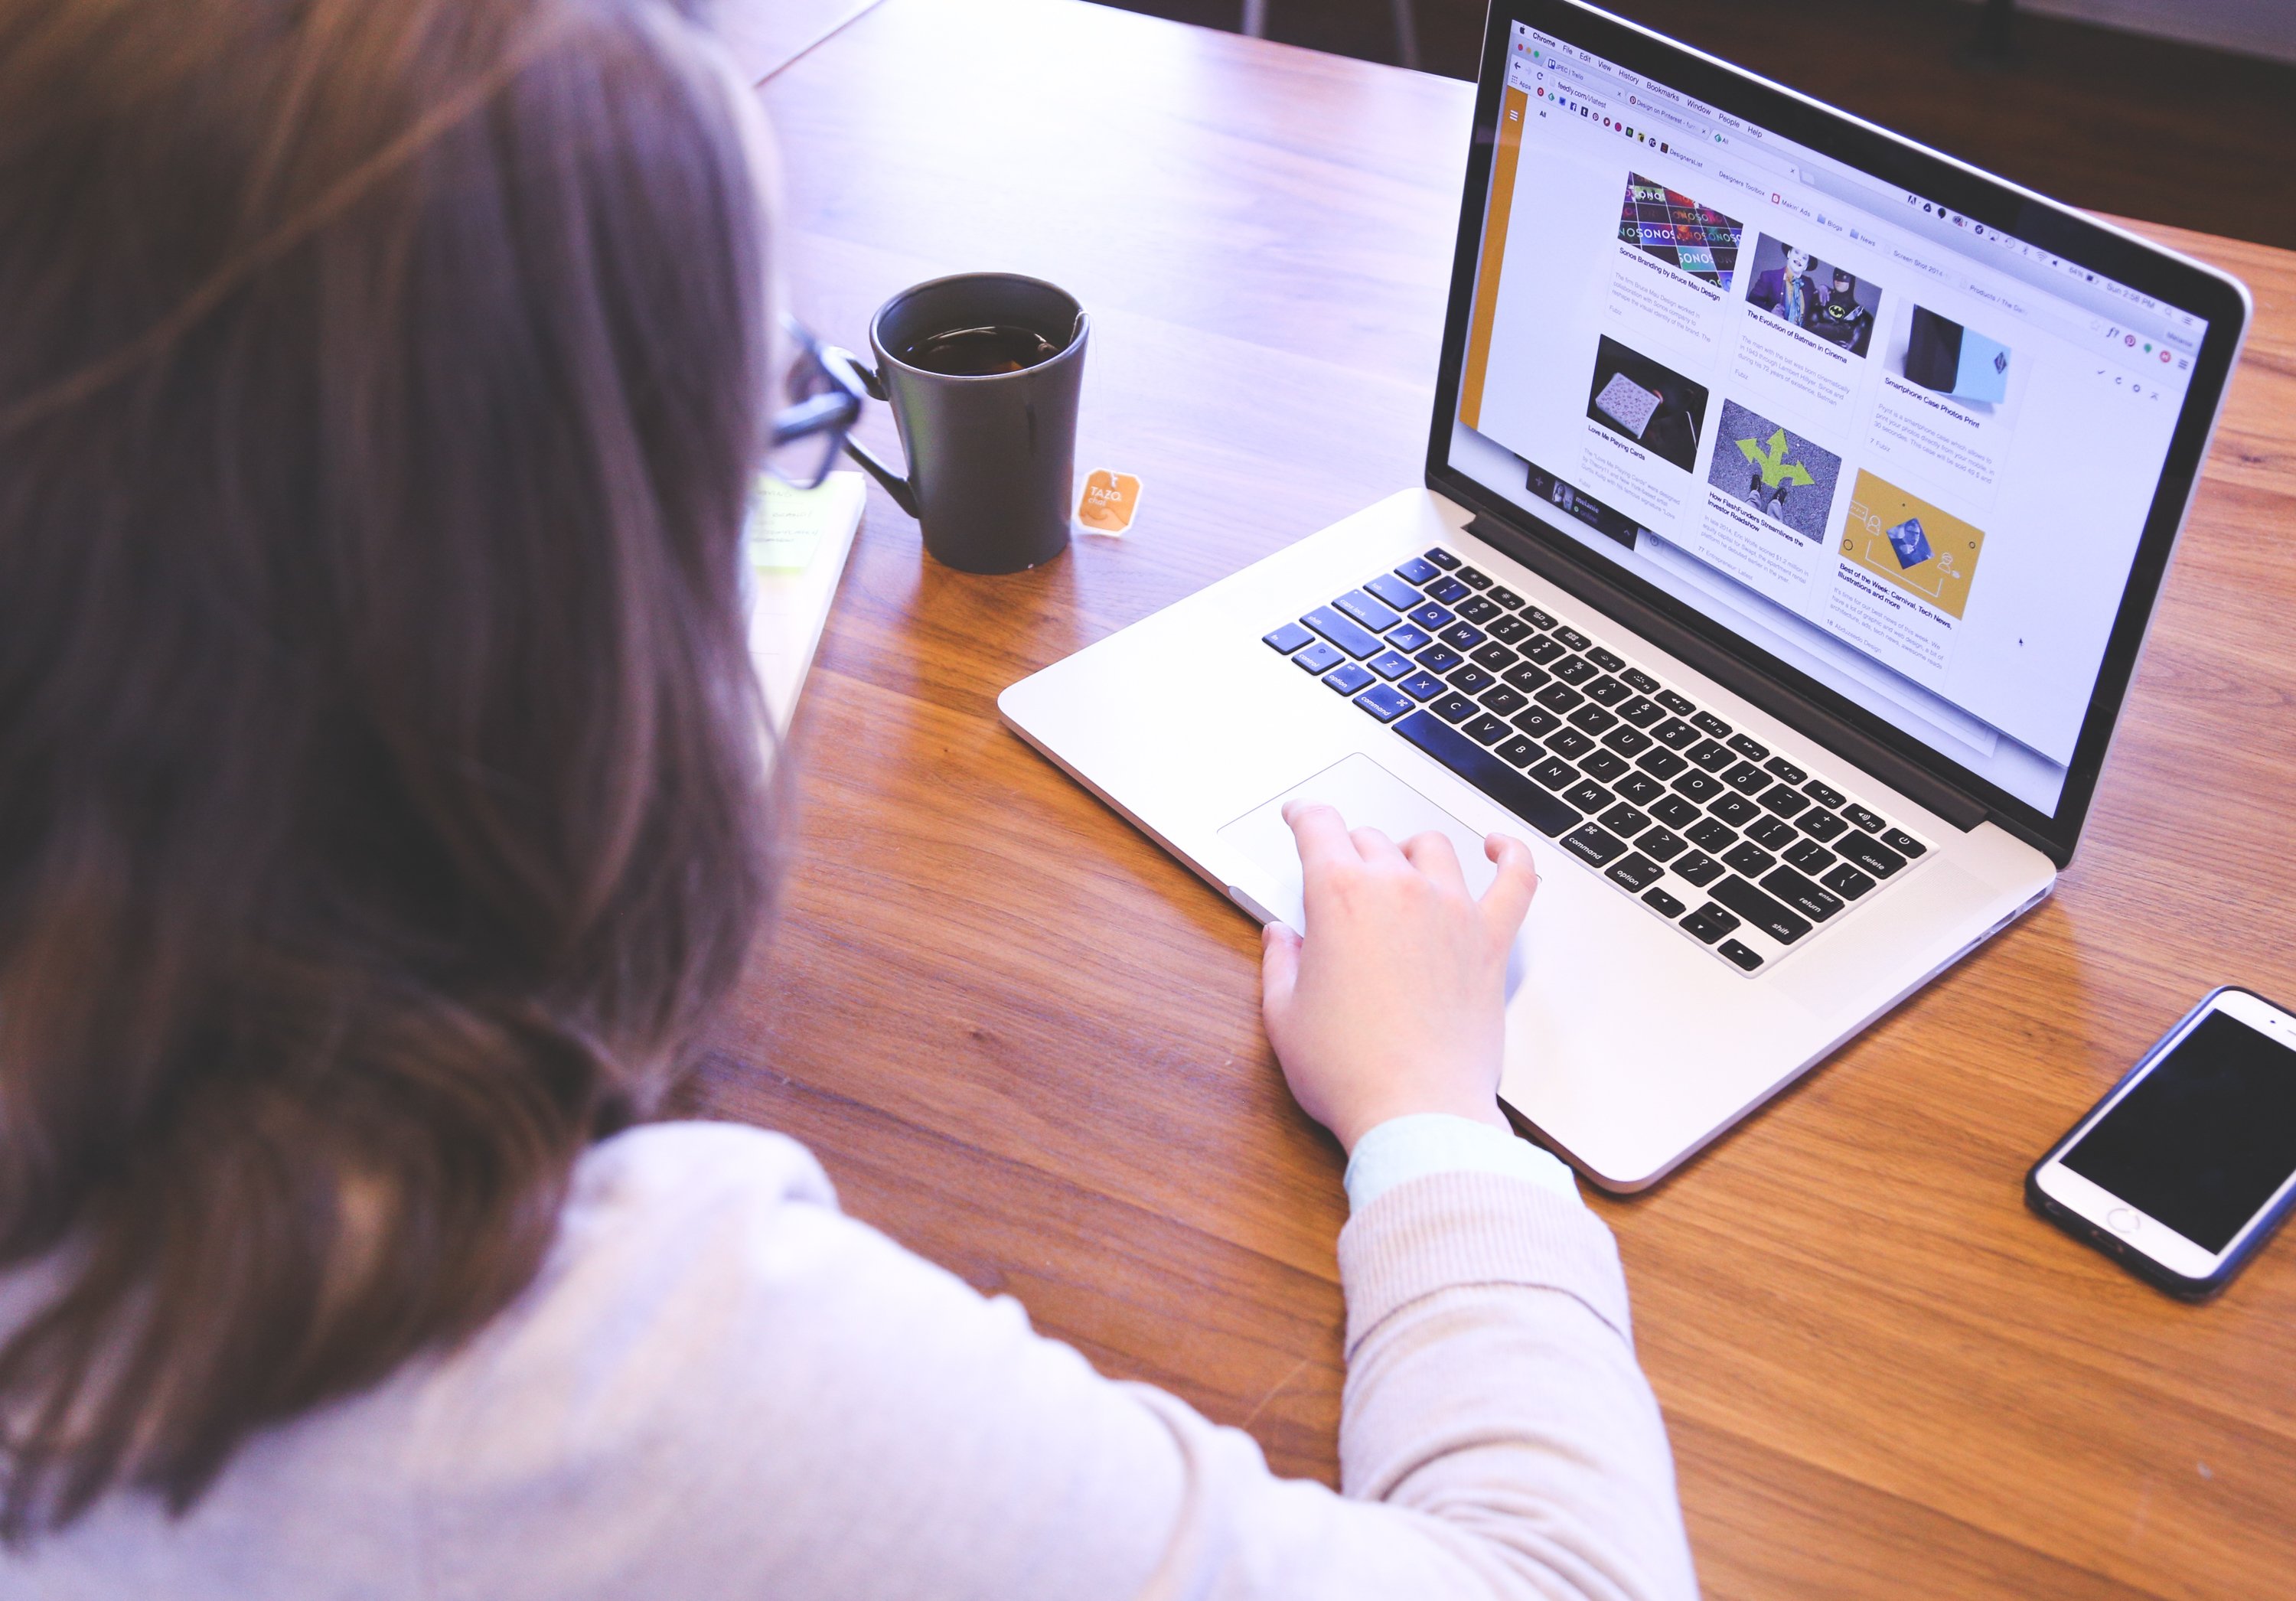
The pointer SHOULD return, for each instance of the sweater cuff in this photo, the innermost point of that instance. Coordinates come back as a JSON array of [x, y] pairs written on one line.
[[1405, 1147], [1443, 1230]]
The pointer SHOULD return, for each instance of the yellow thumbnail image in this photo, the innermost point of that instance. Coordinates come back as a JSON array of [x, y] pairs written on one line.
[[1908, 541]]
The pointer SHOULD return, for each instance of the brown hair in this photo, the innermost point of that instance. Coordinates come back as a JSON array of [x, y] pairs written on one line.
[[379, 797]]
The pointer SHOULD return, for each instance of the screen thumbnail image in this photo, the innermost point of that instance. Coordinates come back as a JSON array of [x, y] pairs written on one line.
[[1945, 357], [1678, 231], [1773, 470], [1647, 402], [1912, 543], [1793, 285]]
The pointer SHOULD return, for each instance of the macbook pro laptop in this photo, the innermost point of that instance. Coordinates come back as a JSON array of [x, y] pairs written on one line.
[[1796, 499]]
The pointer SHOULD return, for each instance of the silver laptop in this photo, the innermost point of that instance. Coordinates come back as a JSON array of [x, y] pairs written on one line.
[[1796, 500]]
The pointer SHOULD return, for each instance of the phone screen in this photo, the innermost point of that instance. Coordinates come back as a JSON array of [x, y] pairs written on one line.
[[2206, 1139]]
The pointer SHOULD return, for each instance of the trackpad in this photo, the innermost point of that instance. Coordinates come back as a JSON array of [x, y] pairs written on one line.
[[1367, 796]]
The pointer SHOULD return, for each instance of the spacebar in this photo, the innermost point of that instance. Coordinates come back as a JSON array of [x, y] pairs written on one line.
[[1488, 773]]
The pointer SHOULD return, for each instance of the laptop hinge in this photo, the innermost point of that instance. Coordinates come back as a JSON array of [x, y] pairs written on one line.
[[1961, 810]]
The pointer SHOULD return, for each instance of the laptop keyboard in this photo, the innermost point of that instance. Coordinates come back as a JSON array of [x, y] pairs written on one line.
[[1747, 853]]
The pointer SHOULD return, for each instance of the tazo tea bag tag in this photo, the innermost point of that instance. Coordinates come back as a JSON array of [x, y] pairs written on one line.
[[1109, 502]]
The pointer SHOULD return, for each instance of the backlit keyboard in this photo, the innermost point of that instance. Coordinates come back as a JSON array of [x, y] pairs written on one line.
[[1744, 851]]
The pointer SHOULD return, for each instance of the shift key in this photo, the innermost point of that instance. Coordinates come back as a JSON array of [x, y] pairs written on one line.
[[1758, 908]]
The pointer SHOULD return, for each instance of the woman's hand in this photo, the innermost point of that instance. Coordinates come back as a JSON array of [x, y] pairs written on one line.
[[1393, 1002]]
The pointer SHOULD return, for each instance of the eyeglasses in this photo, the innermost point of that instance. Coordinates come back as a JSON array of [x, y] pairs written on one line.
[[825, 394]]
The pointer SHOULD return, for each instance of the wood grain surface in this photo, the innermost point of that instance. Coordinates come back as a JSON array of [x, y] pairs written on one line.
[[1026, 1043]]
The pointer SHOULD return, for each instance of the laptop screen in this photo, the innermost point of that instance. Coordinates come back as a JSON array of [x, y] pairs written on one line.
[[1902, 451]]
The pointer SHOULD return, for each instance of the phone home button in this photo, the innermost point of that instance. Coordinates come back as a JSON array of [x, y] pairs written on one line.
[[2123, 1220]]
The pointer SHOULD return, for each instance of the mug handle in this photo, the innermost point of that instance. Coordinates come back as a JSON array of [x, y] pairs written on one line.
[[895, 484]]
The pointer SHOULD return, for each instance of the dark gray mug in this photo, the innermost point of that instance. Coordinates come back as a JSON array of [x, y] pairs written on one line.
[[992, 457]]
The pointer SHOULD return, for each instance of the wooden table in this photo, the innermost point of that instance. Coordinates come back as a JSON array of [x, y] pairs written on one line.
[[1026, 1042]]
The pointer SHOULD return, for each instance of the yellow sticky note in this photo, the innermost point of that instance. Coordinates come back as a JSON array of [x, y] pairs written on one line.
[[1109, 502]]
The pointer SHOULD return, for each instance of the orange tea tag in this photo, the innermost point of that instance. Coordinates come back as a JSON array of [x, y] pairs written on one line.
[[1111, 501]]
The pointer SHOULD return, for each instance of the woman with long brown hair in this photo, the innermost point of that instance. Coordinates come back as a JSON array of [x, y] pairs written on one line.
[[381, 809]]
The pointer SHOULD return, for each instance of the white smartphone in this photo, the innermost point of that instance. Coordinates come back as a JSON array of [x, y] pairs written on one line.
[[2189, 1163]]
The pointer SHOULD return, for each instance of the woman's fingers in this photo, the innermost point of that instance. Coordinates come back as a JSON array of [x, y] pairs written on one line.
[[1279, 966], [1432, 854], [1508, 901], [1322, 838]]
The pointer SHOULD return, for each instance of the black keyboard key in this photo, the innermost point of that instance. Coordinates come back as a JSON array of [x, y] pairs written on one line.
[[1659, 762], [1288, 638], [1394, 592], [1537, 722], [1372, 612], [1527, 677], [1712, 724], [1590, 841], [1431, 617], [1438, 658], [1678, 704], [1587, 796], [1452, 707], [1747, 857], [1847, 881], [1663, 903], [1472, 578], [1391, 664], [1605, 765], [1697, 786], [1628, 741], [1542, 648], [1419, 569], [1711, 754], [1494, 657], [1758, 908], [1572, 637], [1443, 558], [1609, 691], [1608, 660], [1568, 742], [1902, 842], [1770, 833], [1641, 710], [1803, 896], [1871, 822], [1820, 824], [1743, 954], [1450, 591], [1624, 819], [1462, 636], [1539, 617], [1641, 680], [1510, 629], [1384, 702], [1487, 773], [1787, 802], [1422, 687], [1640, 788], [1519, 751], [1869, 853], [1487, 730], [1506, 597], [1734, 809], [1408, 639], [1352, 637], [1592, 717], [1824, 795], [1318, 658], [1353, 677], [1710, 923], [1558, 697], [1469, 679], [1752, 749], [1747, 778], [1809, 856], [1673, 733], [1555, 773], [1674, 811], [1478, 608], [1709, 834], [1636, 874], [1699, 868], [1783, 771], [1575, 669], [1663, 843], [1503, 700]]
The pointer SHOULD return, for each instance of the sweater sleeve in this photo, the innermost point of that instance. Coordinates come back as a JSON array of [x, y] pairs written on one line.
[[727, 1388]]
